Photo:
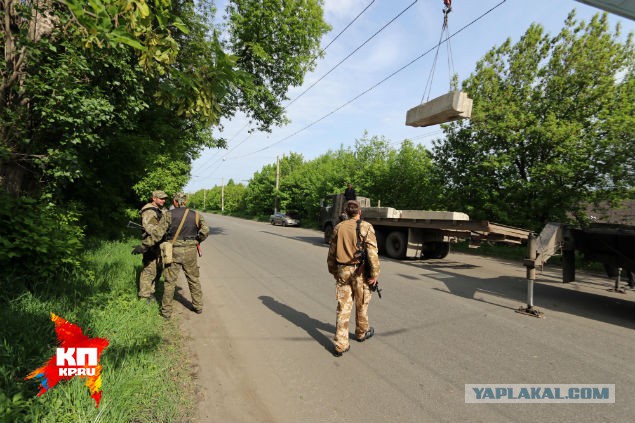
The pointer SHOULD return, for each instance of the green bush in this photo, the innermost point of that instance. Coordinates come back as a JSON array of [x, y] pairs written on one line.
[[141, 382], [38, 241]]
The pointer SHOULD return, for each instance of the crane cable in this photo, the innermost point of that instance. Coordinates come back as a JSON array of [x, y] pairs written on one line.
[[444, 31], [375, 85]]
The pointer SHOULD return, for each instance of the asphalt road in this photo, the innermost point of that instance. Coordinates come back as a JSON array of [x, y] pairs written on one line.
[[261, 348]]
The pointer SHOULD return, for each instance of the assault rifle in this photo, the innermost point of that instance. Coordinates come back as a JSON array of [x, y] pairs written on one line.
[[133, 225], [138, 249], [362, 256]]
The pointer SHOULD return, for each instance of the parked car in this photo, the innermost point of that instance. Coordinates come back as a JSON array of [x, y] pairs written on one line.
[[283, 219]]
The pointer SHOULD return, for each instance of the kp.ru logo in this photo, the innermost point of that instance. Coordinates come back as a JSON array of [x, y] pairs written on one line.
[[78, 356], [79, 367]]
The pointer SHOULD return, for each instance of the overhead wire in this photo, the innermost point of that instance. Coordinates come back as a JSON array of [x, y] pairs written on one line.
[[206, 162], [375, 85], [352, 52], [321, 52], [347, 26]]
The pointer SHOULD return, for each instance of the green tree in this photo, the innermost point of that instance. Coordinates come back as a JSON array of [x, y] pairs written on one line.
[[409, 182], [102, 102], [552, 127], [261, 191], [155, 72], [369, 170], [399, 178], [275, 43], [231, 196], [234, 194], [316, 178]]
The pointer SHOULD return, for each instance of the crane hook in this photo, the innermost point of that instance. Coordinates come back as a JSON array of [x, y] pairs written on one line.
[[446, 10]]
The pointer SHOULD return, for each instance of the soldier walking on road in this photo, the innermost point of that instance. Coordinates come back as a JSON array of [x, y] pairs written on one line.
[[187, 230], [349, 237], [155, 221]]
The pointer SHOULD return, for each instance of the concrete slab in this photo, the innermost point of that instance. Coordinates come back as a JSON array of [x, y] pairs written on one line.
[[380, 212], [446, 108], [433, 215]]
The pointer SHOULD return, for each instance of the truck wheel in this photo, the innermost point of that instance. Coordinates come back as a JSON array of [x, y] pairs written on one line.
[[328, 233], [396, 244], [436, 250], [381, 241], [441, 250]]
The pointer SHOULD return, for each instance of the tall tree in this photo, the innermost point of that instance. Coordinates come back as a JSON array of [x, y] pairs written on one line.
[[275, 43], [117, 97], [552, 127], [409, 182]]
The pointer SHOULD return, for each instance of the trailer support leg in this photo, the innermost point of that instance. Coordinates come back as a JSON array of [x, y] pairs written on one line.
[[530, 263], [617, 288]]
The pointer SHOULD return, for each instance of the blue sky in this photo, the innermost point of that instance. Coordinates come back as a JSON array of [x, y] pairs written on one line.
[[382, 110]]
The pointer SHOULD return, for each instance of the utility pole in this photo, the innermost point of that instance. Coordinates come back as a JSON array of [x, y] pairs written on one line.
[[275, 207], [222, 194]]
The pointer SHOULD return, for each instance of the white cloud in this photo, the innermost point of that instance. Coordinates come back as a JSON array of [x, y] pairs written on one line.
[[336, 10]]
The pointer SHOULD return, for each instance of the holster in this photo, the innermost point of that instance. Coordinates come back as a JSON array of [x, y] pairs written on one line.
[[166, 253]]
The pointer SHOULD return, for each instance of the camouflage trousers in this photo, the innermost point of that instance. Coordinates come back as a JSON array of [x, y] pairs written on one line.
[[183, 257], [350, 288], [150, 273]]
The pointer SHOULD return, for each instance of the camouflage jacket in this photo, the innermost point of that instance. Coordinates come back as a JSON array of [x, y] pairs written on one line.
[[155, 224], [344, 245]]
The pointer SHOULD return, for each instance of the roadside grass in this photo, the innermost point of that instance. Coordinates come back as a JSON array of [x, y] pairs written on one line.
[[146, 371]]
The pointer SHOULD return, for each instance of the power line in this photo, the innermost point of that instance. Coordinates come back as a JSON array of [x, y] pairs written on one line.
[[347, 26], [321, 51], [351, 53], [376, 85]]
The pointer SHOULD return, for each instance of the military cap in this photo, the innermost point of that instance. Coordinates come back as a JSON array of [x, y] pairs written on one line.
[[159, 194], [180, 197]]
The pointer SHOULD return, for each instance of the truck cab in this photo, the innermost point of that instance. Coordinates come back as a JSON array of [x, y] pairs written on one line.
[[331, 210]]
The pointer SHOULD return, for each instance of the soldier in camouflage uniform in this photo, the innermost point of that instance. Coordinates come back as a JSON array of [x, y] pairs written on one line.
[[155, 221], [184, 253], [342, 263]]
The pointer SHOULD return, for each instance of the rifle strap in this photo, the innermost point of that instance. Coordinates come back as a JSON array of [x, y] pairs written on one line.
[[359, 234], [156, 210], [178, 230]]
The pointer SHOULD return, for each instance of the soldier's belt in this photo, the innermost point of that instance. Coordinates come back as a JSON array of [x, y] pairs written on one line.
[[347, 264]]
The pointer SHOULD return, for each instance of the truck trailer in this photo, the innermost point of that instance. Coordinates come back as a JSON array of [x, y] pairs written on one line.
[[418, 233]]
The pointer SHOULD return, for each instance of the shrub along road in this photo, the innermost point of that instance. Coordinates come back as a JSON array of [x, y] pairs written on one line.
[[262, 344]]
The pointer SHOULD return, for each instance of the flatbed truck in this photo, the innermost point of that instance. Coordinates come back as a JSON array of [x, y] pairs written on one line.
[[418, 233]]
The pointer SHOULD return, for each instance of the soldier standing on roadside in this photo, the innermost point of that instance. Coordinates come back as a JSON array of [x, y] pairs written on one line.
[[187, 229], [350, 236], [155, 221]]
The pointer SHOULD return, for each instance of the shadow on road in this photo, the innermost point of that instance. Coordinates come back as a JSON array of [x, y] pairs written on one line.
[[551, 295], [315, 240], [302, 320], [178, 296], [215, 230]]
